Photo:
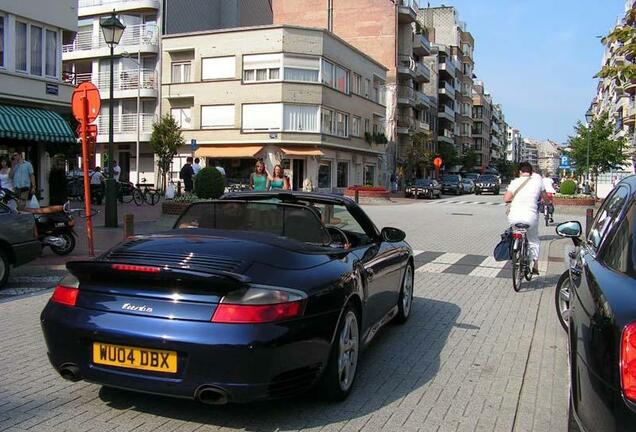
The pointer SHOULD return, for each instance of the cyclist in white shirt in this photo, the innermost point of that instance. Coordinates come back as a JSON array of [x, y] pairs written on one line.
[[524, 194]]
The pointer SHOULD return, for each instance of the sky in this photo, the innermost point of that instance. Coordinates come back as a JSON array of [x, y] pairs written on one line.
[[538, 57]]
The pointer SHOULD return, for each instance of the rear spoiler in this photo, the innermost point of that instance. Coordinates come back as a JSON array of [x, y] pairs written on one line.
[[115, 270]]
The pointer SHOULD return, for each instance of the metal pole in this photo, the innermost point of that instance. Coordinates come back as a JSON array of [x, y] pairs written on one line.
[[138, 114], [587, 167], [111, 186]]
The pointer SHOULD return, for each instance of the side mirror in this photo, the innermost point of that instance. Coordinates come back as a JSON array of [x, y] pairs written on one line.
[[571, 229], [392, 235]]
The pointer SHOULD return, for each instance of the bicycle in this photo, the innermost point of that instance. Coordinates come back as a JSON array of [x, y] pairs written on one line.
[[521, 260], [145, 193], [547, 209], [125, 192]]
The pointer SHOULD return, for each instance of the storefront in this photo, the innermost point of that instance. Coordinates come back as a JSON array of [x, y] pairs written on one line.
[[36, 133]]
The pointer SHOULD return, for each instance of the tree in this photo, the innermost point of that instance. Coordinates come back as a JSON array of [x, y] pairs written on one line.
[[605, 153], [469, 159], [506, 168], [625, 36], [418, 156], [448, 154], [165, 140]]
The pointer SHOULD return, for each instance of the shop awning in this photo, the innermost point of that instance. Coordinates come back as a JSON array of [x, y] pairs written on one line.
[[300, 151], [34, 124], [221, 151]]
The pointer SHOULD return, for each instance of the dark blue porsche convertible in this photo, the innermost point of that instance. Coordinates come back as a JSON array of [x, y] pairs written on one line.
[[253, 296]]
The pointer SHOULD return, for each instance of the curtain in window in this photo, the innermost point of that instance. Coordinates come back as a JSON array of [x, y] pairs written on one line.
[[341, 125], [36, 50], [20, 46], [261, 74], [295, 74], [327, 121], [341, 79], [51, 53], [300, 118], [327, 73]]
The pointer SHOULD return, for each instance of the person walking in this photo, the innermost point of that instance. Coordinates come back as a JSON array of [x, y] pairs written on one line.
[[23, 179], [5, 175], [97, 185], [186, 174], [394, 182], [523, 195], [116, 171], [278, 180], [196, 167], [259, 179]]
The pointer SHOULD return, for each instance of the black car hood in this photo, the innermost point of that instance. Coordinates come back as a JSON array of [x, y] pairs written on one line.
[[234, 251]]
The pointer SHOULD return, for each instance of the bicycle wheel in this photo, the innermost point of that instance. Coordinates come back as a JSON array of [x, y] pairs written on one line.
[[528, 264], [153, 197], [517, 269], [137, 196]]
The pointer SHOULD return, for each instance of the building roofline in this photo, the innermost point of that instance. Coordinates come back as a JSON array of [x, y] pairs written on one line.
[[275, 27]]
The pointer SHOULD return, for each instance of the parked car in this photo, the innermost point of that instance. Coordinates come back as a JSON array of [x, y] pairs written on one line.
[[468, 186], [487, 183], [258, 295], [425, 188], [18, 241], [472, 176], [452, 183], [598, 304]]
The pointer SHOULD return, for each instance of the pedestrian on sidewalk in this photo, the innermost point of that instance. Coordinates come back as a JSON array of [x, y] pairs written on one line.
[[186, 174], [5, 175], [23, 179], [523, 195], [97, 185], [116, 170], [196, 167], [259, 179], [394, 182]]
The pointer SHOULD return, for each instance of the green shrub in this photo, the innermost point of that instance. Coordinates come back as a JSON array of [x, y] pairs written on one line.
[[209, 183], [568, 187]]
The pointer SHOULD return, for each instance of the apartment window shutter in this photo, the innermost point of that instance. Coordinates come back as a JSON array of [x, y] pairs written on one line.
[[218, 68], [262, 116], [217, 116]]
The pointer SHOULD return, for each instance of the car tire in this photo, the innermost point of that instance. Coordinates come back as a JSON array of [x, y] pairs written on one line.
[[562, 298], [347, 337], [405, 299], [4, 268]]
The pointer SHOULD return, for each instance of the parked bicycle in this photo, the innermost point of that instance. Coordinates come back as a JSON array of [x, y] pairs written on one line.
[[521, 259], [146, 193]]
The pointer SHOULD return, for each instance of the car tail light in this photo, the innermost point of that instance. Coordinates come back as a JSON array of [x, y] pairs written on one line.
[[517, 235], [628, 362], [136, 268], [66, 291], [260, 304]]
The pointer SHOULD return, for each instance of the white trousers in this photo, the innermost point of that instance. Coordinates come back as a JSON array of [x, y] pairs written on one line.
[[534, 243]]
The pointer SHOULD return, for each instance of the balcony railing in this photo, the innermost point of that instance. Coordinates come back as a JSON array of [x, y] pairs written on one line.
[[123, 80], [446, 134], [126, 123], [421, 44], [406, 122], [140, 34], [405, 92], [442, 108], [91, 3], [448, 87]]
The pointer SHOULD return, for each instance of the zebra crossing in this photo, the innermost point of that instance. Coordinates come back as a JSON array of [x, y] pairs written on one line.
[[459, 202]]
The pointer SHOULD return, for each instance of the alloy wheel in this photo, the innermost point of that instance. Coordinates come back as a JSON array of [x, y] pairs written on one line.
[[407, 291], [348, 351]]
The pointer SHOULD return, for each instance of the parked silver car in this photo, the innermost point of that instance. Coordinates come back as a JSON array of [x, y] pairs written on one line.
[[18, 240]]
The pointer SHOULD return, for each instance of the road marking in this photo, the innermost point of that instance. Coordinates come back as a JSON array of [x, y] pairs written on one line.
[[441, 263], [491, 262], [439, 202], [34, 279]]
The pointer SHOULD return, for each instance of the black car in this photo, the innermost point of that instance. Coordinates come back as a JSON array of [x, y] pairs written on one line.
[[18, 241], [258, 295], [600, 311], [424, 188], [487, 183], [452, 183]]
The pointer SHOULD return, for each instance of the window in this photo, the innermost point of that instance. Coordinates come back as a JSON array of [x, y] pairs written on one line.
[[300, 118], [1, 41], [328, 126], [51, 53], [261, 67], [183, 117], [324, 175], [621, 253], [218, 68], [20, 46], [342, 80], [181, 72], [355, 126], [367, 87], [342, 124], [217, 116], [327, 73], [36, 50], [301, 68], [367, 125], [606, 216], [356, 84], [263, 117], [342, 174], [369, 175]]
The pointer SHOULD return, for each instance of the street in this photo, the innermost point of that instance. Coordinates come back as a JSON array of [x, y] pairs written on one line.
[[474, 356]]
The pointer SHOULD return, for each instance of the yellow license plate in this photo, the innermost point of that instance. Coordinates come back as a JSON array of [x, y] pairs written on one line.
[[134, 358]]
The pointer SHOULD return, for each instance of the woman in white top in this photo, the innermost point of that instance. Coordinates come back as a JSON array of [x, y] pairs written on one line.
[[5, 179], [524, 194]]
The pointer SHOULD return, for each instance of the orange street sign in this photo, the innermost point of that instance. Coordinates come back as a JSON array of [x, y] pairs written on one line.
[[89, 91]]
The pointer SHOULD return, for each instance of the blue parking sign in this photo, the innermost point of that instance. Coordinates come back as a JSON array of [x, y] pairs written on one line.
[[193, 144], [565, 162]]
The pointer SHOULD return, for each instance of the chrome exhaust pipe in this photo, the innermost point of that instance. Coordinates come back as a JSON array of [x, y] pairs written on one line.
[[54, 241], [70, 372], [211, 395]]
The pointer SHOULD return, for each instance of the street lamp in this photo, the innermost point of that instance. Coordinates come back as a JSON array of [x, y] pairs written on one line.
[[589, 116], [112, 29]]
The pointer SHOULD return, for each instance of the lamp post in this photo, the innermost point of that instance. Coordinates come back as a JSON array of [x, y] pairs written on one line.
[[589, 116], [112, 30]]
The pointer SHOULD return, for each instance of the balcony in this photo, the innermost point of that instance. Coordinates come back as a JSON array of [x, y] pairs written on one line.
[[407, 11], [406, 66], [448, 68], [423, 126], [477, 132], [630, 115], [421, 45], [444, 135], [126, 83], [143, 36], [422, 73], [125, 127], [405, 95], [445, 112], [630, 87], [405, 125], [101, 7], [422, 100], [446, 89]]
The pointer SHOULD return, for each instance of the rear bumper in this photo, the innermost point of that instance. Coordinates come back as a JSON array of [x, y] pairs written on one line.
[[26, 252], [249, 362], [486, 188]]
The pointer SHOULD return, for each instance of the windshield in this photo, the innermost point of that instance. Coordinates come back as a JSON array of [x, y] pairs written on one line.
[[292, 221], [424, 183], [471, 176], [451, 178], [487, 178]]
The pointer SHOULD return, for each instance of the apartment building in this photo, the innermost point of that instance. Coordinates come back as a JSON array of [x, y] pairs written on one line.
[[136, 78], [514, 150], [549, 156], [530, 152], [481, 130], [447, 70], [497, 134], [450, 35], [386, 31], [34, 100], [295, 96]]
